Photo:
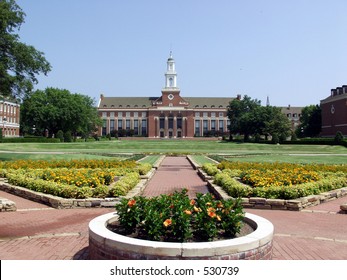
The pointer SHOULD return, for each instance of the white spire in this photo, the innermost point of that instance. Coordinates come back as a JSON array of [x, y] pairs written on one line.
[[170, 75]]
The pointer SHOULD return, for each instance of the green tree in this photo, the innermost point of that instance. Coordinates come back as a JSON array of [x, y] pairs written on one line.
[[249, 118], [275, 122], [19, 63], [239, 113], [310, 121], [58, 109]]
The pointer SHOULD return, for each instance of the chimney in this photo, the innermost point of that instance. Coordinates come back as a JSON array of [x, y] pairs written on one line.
[[101, 96]]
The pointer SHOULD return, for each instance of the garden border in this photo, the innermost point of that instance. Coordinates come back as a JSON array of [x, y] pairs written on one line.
[[59, 202], [276, 204]]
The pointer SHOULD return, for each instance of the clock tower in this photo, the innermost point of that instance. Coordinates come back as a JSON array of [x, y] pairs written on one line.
[[170, 75]]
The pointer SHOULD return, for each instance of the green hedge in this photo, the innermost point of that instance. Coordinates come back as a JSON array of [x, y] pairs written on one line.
[[30, 140]]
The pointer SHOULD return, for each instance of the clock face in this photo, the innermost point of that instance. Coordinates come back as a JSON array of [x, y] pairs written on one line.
[[171, 96], [332, 110]]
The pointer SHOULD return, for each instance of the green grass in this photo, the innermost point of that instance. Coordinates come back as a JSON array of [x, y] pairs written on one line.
[[152, 159], [200, 159], [246, 151], [45, 156]]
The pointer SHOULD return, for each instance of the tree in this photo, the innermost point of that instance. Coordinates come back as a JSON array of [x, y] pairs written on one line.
[[58, 109], [275, 122], [240, 117], [310, 121], [249, 118], [19, 63]]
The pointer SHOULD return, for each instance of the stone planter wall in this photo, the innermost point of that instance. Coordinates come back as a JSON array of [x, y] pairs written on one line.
[[276, 204], [107, 245], [58, 202]]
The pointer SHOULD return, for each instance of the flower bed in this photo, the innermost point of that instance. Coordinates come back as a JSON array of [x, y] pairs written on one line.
[[107, 245], [277, 180], [176, 218], [75, 179]]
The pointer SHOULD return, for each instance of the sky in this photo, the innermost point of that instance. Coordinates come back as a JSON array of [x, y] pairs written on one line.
[[293, 52]]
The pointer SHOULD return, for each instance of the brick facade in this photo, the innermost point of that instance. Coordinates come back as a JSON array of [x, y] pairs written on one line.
[[9, 118], [334, 112]]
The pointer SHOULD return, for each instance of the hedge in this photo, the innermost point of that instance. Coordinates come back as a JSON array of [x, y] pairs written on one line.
[[30, 140]]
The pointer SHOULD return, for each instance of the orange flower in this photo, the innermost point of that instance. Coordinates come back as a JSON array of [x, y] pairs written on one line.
[[188, 212], [131, 202], [192, 202], [211, 212], [167, 223], [220, 205], [219, 218]]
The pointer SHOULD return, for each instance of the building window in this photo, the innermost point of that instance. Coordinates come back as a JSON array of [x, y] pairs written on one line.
[[136, 127], [197, 128], [144, 114], [144, 128], [127, 114], [205, 126], [221, 125], [111, 114], [136, 114], [205, 114], [111, 125], [120, 124], [104, 114], [104, 127], [120, 114], [221, 114], [213, 115], [127, 124], [171, 123], [213, 125], [179, 123], [197, 114], [161, 123]]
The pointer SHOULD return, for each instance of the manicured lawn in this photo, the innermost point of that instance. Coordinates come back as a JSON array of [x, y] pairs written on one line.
[[253, 152], [152, 159], [199, 159]]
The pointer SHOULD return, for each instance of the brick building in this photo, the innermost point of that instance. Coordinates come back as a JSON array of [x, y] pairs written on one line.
[[167, 116], [9, 118], [293, 114], [334, 112]]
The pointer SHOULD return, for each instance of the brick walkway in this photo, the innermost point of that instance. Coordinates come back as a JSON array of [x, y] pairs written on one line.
[[37, 232], [175, 174]]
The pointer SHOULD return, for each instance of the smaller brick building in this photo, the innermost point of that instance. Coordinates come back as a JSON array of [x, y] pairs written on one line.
[[334, 112], [9, 117]]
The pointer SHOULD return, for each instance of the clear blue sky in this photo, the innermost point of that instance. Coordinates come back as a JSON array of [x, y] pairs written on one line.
[[292, 51]]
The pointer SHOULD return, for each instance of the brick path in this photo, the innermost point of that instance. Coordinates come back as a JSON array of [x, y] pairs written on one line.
[[37, 232], [175, 174]]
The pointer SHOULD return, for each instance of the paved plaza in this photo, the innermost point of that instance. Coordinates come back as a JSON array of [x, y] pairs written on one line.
[[38, 232]]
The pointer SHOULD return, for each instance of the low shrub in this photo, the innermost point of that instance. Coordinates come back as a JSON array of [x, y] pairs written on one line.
[[210, 168], [177, 218], [125, 184]]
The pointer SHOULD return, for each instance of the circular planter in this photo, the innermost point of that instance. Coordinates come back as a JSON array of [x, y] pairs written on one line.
[[107, 245]]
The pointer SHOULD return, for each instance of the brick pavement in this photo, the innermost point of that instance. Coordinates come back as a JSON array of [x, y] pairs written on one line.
[[175, 174], [38, 232]]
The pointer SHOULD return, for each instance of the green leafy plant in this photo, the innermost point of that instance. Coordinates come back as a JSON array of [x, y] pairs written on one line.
[[177, 218]]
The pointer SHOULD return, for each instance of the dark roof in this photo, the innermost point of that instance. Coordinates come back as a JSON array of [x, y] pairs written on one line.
[[146, 102], [126, 102]]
